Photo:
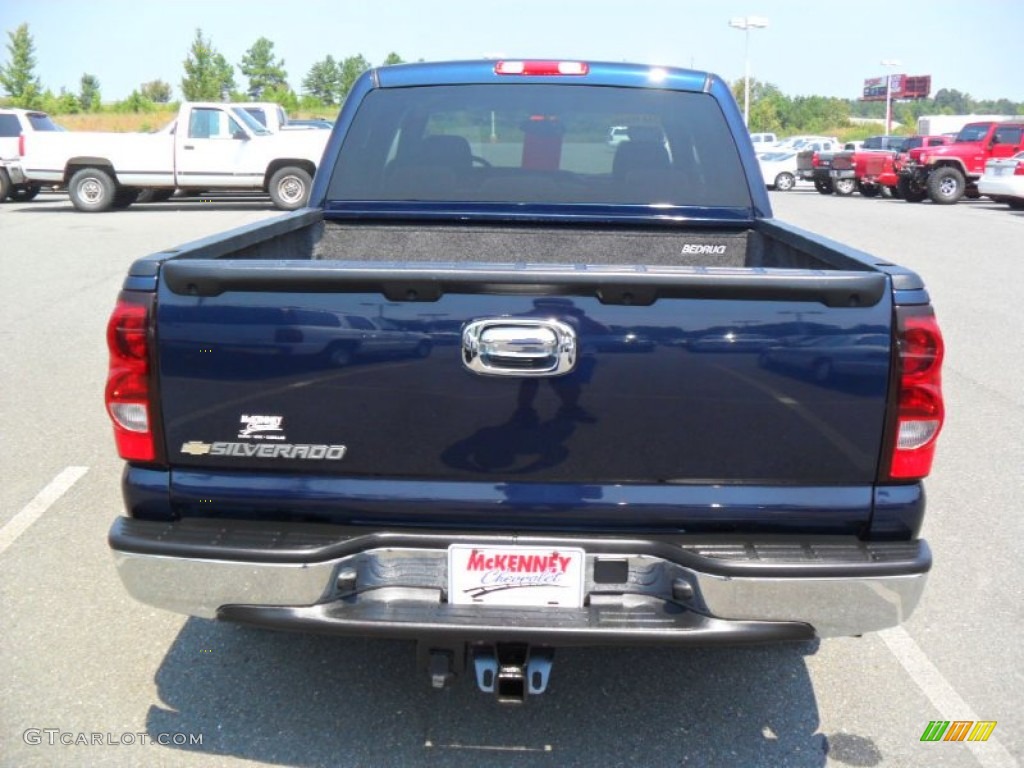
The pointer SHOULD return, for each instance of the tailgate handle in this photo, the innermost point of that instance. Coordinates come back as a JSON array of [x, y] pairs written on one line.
[[507, 346]]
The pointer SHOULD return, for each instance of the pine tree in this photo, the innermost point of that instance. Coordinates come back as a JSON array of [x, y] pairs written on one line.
[[18, 76], [208, 76], [349, 70], [262, 69], [322, 81], [89, 93]]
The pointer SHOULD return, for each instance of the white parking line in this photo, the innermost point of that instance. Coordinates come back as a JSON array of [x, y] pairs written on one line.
[[35, 508], [428, 744], [949, 703]]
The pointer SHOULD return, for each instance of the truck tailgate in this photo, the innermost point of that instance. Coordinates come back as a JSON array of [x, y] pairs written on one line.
[[684, 376]]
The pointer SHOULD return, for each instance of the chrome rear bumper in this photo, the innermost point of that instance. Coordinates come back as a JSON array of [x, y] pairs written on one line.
[[657, 590]]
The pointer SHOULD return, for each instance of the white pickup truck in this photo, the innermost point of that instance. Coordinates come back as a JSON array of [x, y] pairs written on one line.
[[273, 117], [212, 146], [15, 124]]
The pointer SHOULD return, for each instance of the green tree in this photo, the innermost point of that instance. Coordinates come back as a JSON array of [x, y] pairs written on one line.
[[349, 71], [767, 114], [322, 82], [262, 69], [768, 106], [89, 93], [283, 95], [393, 58], [208, 76], [758, 90], [47, 101], [68, 103], [818, 114], [135, 102], [157, 91], [310, 103], [63, 103], [995, 107], [949, 101], [225, 74], [18, 76]]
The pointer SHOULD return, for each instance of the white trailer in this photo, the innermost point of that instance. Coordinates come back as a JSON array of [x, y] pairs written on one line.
[[935, 125]]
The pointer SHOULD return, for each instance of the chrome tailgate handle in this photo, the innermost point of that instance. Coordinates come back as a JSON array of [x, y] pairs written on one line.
[[506, 346]]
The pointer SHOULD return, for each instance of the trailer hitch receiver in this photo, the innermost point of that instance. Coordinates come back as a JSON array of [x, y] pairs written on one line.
[[512, 671]]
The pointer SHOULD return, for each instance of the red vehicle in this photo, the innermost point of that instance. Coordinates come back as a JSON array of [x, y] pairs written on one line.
[[877, 171], [947, 173], [873, 170]]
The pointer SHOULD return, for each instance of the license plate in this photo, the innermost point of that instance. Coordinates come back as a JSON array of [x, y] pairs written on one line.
[[1002, 171], [526, 576]]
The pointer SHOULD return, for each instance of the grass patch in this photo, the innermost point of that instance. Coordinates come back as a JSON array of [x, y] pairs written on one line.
[[125, 122], [140, 122]]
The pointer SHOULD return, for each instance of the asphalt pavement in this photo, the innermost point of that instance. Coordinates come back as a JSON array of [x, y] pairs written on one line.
[[90, 677]]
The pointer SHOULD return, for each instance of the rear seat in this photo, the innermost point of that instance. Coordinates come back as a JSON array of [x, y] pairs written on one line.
[[435, 168], [642, 169]]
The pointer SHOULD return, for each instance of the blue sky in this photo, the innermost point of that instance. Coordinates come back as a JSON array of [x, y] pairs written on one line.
[[810, 48]]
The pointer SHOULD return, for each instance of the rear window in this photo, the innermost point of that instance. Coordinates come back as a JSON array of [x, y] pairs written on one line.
[[540, 144], [9, 126], [258, 115], [975, 132], [41, 121], [884, 142]]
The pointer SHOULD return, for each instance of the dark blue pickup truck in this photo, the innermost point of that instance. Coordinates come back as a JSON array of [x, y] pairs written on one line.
[[508, 386]]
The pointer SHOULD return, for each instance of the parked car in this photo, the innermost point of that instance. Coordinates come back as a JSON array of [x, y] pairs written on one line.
[[891, 143], [618, 134], [873, 170], [303, 336], [211, 146], [814, 163], [14, 125], [763, 140], [315, 122], [779, 169], [273, 117], [946, 174], [825, 358], [1003, 181], [799, 142]]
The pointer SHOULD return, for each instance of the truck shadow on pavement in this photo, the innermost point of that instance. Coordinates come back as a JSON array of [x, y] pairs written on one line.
[[309, 700]]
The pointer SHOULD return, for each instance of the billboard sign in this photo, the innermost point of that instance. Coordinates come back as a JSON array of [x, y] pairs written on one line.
[[900, 86]]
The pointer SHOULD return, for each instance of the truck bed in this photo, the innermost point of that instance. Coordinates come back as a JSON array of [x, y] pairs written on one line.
[[307, 235], [690, 340]]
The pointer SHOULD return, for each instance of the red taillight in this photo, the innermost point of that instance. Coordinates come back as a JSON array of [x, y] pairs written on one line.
[[541, 68], [1019, 169], [815, 160], [128, 381], [920, 409], [21, 145]]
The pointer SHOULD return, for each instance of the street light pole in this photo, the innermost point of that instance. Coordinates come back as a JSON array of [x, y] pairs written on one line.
[[888, 92], [747, 23]]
